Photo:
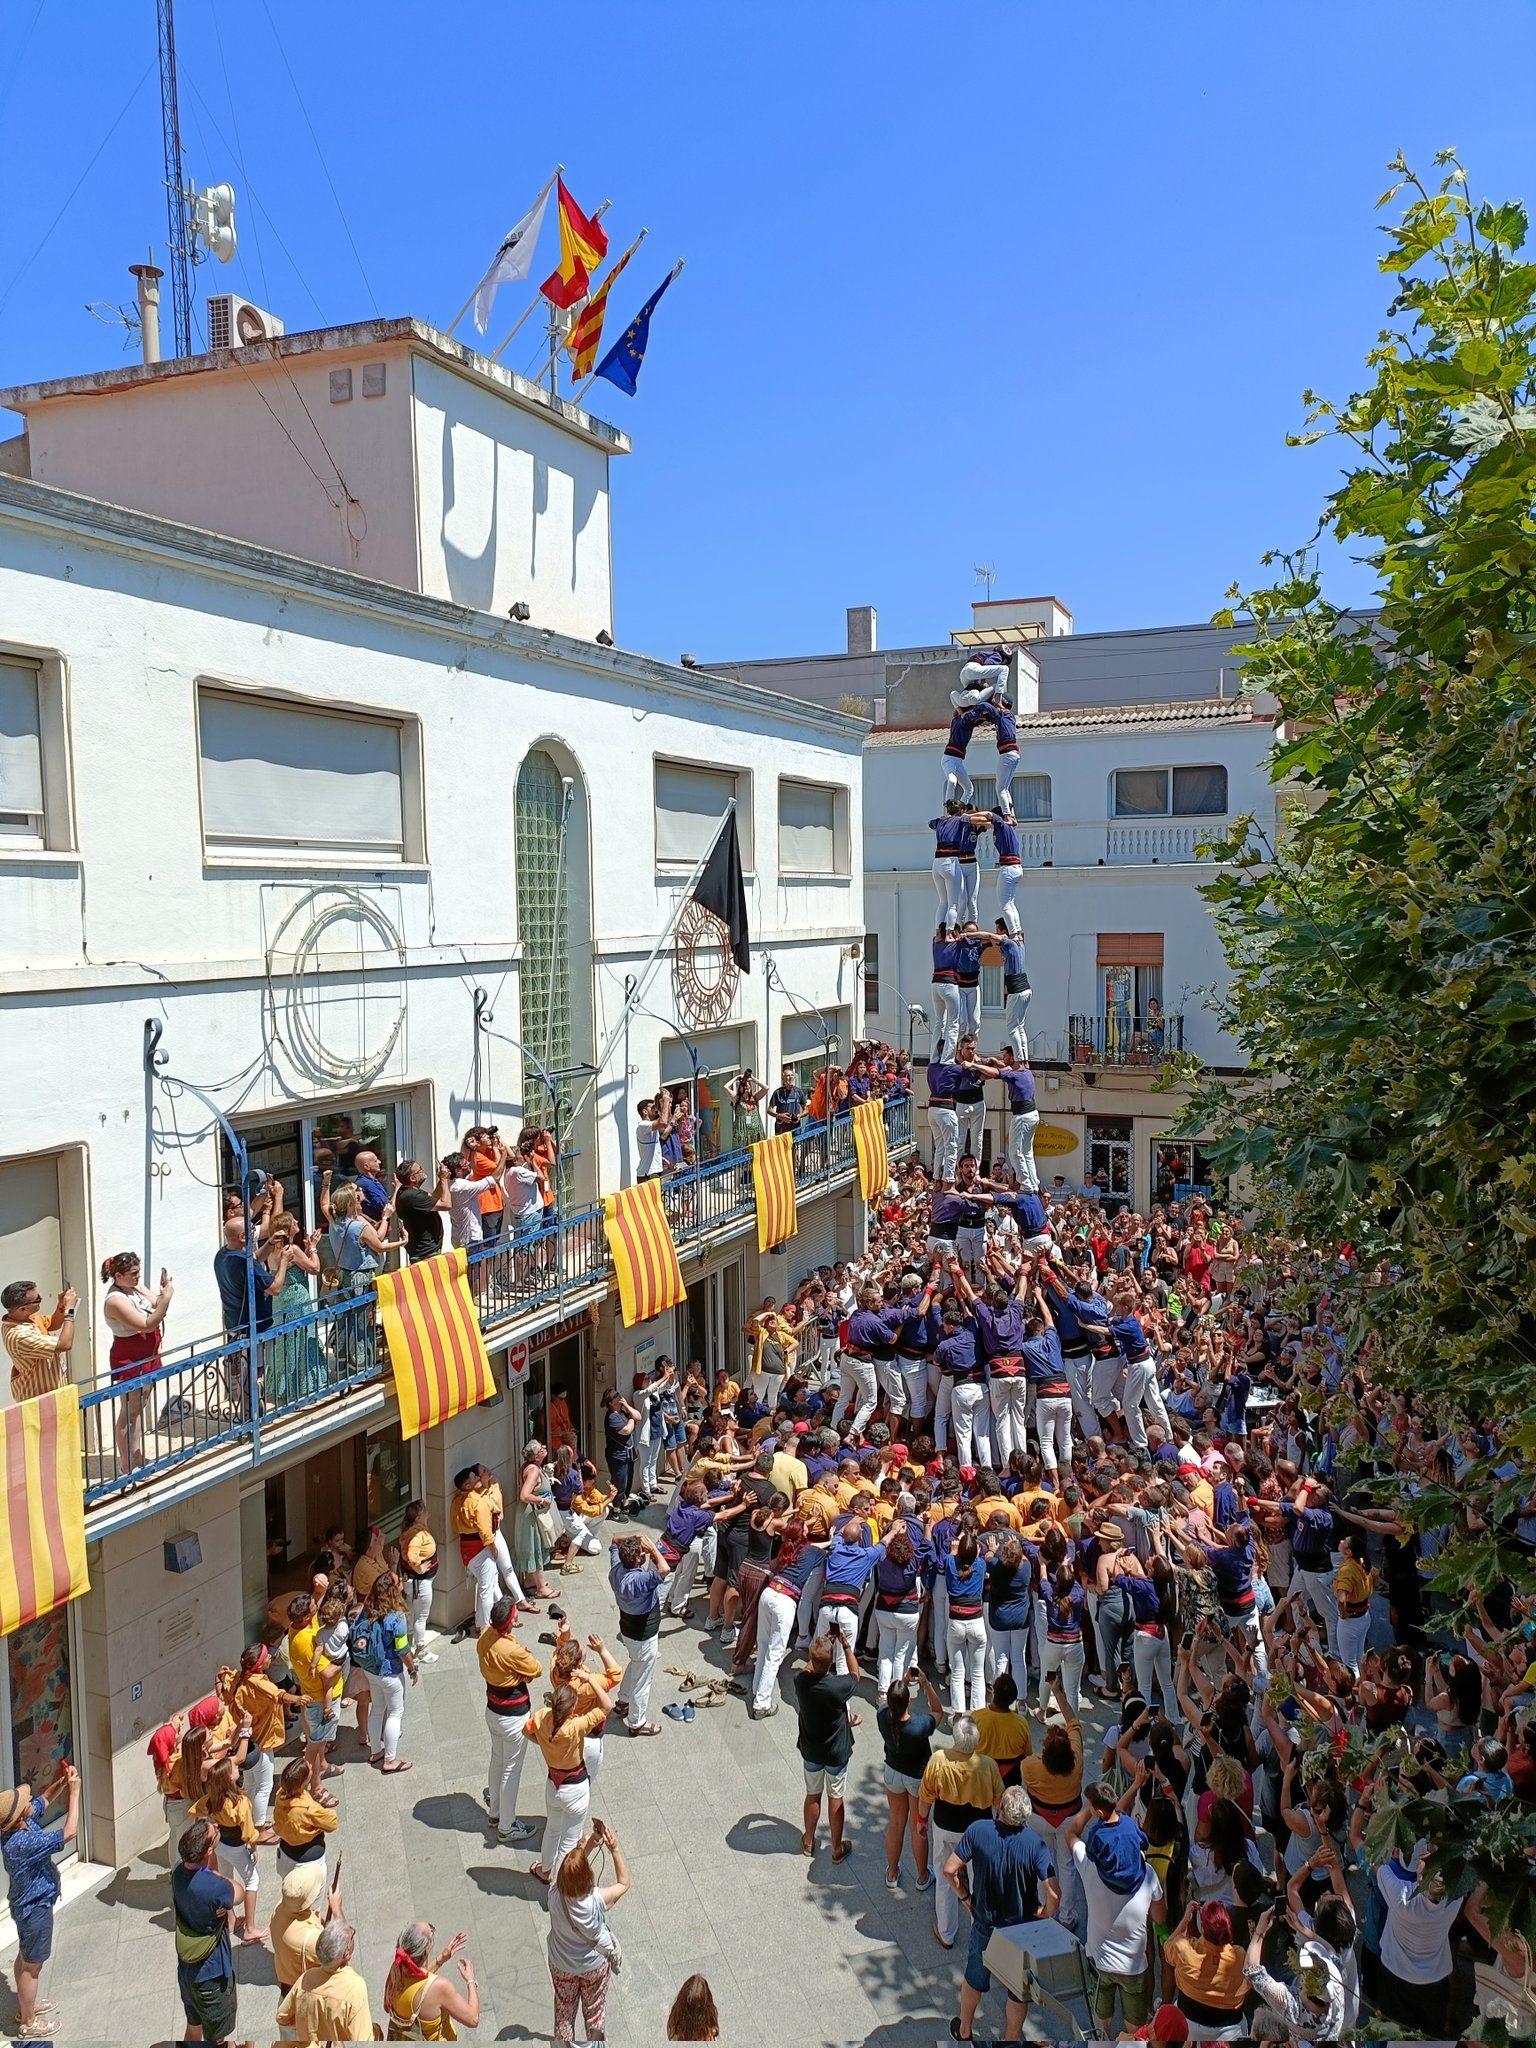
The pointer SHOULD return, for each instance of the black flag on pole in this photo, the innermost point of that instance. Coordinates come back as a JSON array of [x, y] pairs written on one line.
[[721, 891]]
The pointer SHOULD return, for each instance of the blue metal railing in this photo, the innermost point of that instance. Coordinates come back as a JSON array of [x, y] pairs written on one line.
[[220, 1391]]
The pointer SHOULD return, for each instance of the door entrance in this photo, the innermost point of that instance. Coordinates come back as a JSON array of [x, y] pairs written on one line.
[[361, 1484], [708, 1326], [1109, 1159]]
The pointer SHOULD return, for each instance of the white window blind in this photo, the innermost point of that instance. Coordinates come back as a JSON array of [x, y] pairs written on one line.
[[690, 802], [719, 1053], [278, 777], [807, 1034], [21, 752], [807, 829]]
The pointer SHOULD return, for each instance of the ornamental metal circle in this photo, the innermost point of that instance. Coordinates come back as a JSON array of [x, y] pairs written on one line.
[[704, 971]]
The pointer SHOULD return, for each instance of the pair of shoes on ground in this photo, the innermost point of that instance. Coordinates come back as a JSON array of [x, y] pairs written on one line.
[[680, 1710]]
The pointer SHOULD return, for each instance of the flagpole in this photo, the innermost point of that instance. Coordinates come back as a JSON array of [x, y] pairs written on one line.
[[556, 334], [613, 272], [496, 354], [640, 982], [476, 292], [675, 274]]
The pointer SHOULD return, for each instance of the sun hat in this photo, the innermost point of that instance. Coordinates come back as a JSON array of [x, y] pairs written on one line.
[[15, 1805]]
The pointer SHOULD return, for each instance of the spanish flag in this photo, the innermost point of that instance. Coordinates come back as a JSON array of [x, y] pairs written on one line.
[[436, 1345], [586, 335], [869, 1144], [644, 1255], [583, 245], [773, 1180], [42, 1530]]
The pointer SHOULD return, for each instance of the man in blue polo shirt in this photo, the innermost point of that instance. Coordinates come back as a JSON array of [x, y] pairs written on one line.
[[786, 1105], [204, 1904], [1003, 1871]]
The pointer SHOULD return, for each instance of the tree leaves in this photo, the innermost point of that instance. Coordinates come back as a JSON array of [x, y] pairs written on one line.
[[1382, 953]]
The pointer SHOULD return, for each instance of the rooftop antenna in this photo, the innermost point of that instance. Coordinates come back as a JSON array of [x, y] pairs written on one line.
[[111, 315], [986, 575], [198, 223]]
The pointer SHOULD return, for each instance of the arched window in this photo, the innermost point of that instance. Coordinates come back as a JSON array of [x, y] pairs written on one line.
[[544, 807]]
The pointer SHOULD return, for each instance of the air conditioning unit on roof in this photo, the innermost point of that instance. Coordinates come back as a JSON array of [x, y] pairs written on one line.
[[234, 322]]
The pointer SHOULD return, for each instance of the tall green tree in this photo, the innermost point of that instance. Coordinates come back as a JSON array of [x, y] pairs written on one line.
[[1383, 953]]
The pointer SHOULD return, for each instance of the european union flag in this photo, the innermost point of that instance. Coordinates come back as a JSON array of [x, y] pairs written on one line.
[[621, 365]]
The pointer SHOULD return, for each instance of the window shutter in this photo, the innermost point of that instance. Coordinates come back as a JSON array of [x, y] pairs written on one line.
[[1130, 949]]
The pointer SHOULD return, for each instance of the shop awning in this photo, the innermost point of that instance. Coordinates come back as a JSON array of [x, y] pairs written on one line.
[[42, 1532], [436, 1346]]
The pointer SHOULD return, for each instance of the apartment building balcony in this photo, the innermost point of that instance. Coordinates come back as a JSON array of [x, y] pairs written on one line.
[[1124, 1040], [231, 1402]]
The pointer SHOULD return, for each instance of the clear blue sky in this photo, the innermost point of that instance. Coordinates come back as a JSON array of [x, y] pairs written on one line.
[[1035, 285]]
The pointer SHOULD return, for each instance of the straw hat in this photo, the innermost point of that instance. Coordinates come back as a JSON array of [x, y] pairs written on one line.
[[14, 1807]]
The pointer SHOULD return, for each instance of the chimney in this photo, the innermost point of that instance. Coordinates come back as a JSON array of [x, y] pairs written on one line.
[[149, 308], [861, 629]]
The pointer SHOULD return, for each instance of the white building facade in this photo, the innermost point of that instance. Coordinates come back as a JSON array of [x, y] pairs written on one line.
[[1135, 748], [305, 843]]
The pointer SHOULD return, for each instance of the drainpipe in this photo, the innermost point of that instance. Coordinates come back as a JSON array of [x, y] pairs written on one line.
[[148, 278]]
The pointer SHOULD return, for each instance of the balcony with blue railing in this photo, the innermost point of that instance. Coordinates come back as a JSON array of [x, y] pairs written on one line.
[[1123, 1039], [223, 1404]]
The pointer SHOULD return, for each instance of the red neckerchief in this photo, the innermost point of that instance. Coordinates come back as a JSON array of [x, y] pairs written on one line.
[[412, 1969]]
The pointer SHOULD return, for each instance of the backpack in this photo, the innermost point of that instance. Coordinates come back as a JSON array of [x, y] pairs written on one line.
[[363, 1646]]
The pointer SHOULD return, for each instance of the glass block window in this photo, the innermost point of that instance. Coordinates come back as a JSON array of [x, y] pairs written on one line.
[[544, 926]]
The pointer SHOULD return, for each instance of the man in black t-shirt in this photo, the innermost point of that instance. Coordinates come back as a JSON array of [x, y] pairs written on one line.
[[826, 1740], [419, 1210]]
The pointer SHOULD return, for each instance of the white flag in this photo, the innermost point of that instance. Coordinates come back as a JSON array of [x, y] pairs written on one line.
[[513, 261]]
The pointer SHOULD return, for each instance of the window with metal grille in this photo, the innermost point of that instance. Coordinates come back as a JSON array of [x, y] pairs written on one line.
[[544, 926]]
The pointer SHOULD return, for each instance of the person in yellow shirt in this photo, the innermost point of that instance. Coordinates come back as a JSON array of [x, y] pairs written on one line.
[[789, 1475], [1353, 1584], [568, 1666], [258, 1701], [298, 1917], [1004, 1732], [1207, 1969], [958, 1786], [490, 1486], [330, 2001], [508, 1669], [320, 1682], [419, 1564], [421, 2003], [593, 1500], [560, 1729], [301, 1821], [227, 1808], [473, 1521]]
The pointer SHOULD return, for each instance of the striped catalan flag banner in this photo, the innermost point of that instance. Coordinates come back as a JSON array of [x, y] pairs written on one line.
[[869, 1144], [42, 1530], [644, 1255], [773, 1180], [436, 1346]]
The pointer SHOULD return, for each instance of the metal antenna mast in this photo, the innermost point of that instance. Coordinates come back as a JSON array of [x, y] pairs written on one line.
[[177, 226]]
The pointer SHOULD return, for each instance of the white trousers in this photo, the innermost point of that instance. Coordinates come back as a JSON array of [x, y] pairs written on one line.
[[1053, 1425], [958, 786], [966, 1398], [1007, 768], [842, 1625], [1078, 1373], [565, 1815], [508, 1749], [509, 1578], [581, 1536], [943, 1390], [388, 1695], [946, 1020], [1142, 1392], [944, 1129], [1104, 1381], [891, 1378], [775, 1632], [1151, 1658], [634, 1693], [1008, 1650], [674, 1599], [418, 1611], [856, 1383], [938, 1624], [968, 1001], [1013, 1023], [946, 1900], [1068, 1659], [1316, 1589], [896, 1649], [1009, 1399], [482, 1576], [261, 1787], [972, 1119], [1008, 880], [1021, 1147], [920, 1389], [967, 1666], [949, 890]]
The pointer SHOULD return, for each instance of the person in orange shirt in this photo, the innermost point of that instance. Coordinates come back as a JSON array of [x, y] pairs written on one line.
[[226, 1806], [473, 1521], [507, 1669], [258, 1702], [486, 1154], [833, 1080], [561, 1729]]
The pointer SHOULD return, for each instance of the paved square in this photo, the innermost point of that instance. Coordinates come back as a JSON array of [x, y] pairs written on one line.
[[708, 1814]]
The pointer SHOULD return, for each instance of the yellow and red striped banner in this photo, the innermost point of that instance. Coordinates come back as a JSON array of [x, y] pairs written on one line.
[[42, 1531], [869, 1143], [436, 1345], [773, 1181], [644, 1255]]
